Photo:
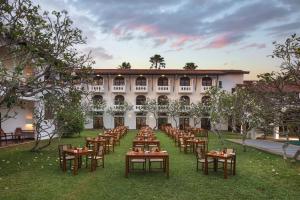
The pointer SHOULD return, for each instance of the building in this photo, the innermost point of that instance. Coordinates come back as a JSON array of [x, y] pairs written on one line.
[[116, 86]]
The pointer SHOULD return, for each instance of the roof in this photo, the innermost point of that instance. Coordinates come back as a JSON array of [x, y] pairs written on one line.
[[168, 72]]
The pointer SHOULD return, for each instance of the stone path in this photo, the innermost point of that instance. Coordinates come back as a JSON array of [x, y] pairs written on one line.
[[270, 146]]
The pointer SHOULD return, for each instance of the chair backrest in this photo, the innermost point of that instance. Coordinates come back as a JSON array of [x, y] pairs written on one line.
[[230, 151], [200, 152], [2, 133], [154, 149], [63, 147], [18, 131]]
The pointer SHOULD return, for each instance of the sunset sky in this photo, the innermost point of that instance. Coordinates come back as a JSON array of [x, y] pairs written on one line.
[[215, 34]]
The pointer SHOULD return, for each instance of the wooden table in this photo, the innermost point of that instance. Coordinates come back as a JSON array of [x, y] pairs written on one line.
[[196, 143], [219, 155], [146, 143], [77, 154], [144, 155]]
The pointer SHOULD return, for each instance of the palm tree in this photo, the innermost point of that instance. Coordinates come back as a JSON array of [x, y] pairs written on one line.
[[190, 66], [125, 65], [157, 62]]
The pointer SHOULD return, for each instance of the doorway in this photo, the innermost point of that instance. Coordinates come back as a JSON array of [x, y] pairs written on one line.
[[205, 123], [98, 122]]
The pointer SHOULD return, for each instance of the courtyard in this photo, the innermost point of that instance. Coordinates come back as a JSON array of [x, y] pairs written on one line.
[[260, 175]]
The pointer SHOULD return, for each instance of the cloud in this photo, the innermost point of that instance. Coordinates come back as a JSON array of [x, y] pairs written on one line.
[[223, 41], [98, 53], [181, 23], [254, 45]]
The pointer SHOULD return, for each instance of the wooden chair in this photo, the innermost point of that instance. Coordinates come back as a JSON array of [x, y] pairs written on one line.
[[184, 145], [3, 135], [111, 144], [200, 156], [63, 156], [231, 161], [18, 135], [97, 155], [156, 160], [138, 160]]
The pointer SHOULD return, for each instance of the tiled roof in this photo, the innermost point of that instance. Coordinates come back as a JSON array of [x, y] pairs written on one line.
[[167, 72]]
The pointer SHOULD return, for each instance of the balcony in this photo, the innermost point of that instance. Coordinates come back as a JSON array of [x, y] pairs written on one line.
[[119, 88], [96, 88], [186, 108], [162, 108], [95, 109], [118, 107], [185, 89], [205, 88], [141, 89], [163, 89], [137, 108]]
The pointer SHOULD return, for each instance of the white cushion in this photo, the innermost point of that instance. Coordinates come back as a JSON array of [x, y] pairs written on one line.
[[203, 160], [138, 160], [156, 160], [70, 157], [228, 160]]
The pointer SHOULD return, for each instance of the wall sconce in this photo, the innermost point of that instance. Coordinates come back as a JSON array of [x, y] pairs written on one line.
[[119, 75]]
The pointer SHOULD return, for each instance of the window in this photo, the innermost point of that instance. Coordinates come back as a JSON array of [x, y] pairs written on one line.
[[205, 99], [162, 81], [206, 81], [119, 100], [119, 81], [98, 80], [140, 100], [220, 84], [185, 100], [142, 81], [162, 100], [184, 81], [97, 99]]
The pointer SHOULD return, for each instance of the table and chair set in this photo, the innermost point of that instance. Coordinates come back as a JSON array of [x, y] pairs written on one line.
[[145, 151], [19, 135], [187, 142], [94, 150]]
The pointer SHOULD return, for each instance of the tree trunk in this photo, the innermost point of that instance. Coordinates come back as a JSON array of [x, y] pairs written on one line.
[[244, 136]]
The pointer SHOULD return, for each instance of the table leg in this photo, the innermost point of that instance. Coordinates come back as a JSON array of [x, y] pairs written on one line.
[[126, 166], [234, 163], [167, 166], [64, 162], [75, 168], [206, 166], [225, 168]]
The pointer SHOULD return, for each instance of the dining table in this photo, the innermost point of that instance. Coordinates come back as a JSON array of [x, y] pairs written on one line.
[[77, 153], [146, 143], [147, 155], [215, 155]]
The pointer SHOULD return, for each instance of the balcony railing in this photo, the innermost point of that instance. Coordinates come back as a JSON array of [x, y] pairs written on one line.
[[141, 88], [118, 88], [96, 88], [137, 108], [205, 88], [163, 89], [162, 108], [185, 89], [118, 107], [98, 109], [186, 108]]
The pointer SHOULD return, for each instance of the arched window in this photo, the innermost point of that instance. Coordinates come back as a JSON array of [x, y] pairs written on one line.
[[185, 100], [97, 80], [97, 99], [206, 81], [185, 81], [205, 99], [162, 81], [141, 81], [140, 100], [162, 100], [119, 100], [119, 81]]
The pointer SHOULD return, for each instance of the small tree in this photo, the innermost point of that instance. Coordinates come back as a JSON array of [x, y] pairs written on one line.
[[198, 110], [157, 62], [125, 65], [174, 109], [119, 108], [151, 106], [190, 66]]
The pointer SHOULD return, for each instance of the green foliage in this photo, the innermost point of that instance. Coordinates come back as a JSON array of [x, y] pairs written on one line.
[[190, 66], [125, 65], [157, 62]]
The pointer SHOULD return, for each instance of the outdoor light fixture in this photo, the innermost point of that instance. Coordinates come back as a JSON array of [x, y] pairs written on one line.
[[98, 75], [163, 75], [119, 75]]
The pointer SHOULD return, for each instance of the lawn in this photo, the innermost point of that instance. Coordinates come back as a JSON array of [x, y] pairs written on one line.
[[26, 175]]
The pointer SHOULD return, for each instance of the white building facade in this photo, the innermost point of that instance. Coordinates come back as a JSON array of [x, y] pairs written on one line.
[[134, 86]]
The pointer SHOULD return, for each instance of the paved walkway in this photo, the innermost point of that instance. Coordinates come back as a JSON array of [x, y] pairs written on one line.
[[270, 146]]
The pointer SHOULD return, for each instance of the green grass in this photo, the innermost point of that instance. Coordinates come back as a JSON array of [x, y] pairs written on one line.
[[26, 175]]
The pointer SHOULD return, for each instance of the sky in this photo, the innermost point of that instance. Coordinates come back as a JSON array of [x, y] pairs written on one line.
[[214, 34]]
